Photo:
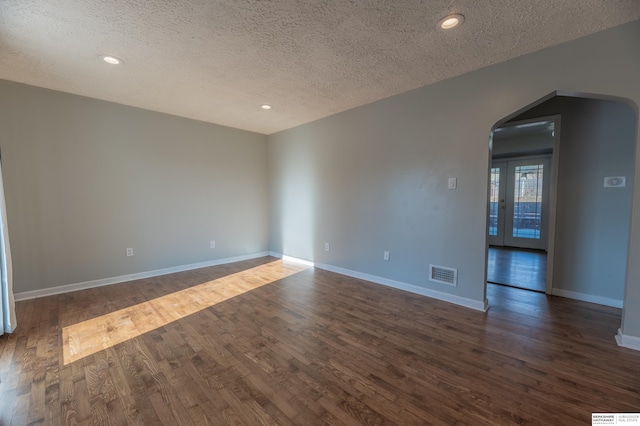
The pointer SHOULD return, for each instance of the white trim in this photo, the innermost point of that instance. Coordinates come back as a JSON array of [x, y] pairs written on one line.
[[434, 294], [296, 260], [451, 298], [139, 275], [292, 259], [600, 300], [552, 212], [626, 341]]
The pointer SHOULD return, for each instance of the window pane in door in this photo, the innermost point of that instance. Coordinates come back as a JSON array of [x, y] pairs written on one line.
[[527, 208], [494, 200]]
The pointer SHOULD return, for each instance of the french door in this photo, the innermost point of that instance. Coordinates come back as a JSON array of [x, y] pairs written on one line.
[[518, 200]]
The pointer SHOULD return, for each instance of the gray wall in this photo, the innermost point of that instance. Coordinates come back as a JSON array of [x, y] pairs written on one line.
[[375, 177], [374, 180], [597, 139], [84, 179]]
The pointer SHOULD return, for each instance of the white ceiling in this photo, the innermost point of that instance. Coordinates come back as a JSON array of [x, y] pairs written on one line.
[[218, 61]]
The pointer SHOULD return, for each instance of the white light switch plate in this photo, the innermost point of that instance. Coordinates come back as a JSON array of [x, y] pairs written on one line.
[[453, 183]]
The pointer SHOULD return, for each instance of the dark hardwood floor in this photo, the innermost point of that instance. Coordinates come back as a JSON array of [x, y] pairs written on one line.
[[271, 344], [515, 267]]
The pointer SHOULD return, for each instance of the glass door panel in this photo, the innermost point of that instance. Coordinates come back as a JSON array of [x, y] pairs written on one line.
[[526, 202], [497, 192], [527, 207], [517, 202]]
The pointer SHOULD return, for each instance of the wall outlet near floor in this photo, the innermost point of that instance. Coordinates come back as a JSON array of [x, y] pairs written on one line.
[[385, 256], [326, 247], [129, 252], [212, 244]]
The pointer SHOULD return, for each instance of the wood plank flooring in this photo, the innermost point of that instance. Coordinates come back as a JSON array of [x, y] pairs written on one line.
[[92, 335], [515, 267], [313, 347]]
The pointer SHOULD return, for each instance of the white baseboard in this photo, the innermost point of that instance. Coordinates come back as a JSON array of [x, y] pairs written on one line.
[[600, 300], [462, 301], [627, 341], [291, 259], [434, 294], [124, 278]]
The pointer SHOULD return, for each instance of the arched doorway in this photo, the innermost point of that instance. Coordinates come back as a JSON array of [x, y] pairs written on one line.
[[588, 220]]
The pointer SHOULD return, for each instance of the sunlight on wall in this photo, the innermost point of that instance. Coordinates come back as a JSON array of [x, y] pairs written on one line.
[[91, 336], [295, 193]]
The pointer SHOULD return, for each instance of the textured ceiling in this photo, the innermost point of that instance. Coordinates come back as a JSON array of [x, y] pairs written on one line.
[[218, 61]]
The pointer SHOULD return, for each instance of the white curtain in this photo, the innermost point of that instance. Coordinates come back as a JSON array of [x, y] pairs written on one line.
[[7, 305]]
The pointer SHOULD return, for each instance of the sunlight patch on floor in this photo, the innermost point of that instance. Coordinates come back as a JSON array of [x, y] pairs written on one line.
[[91, 336]]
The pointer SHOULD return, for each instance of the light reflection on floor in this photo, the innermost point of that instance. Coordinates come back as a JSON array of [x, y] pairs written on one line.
[[91, 336], [517, 268]]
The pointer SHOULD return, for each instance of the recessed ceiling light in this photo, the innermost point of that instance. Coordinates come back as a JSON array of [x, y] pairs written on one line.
[[111, 59], [450, 21], [265, 106]]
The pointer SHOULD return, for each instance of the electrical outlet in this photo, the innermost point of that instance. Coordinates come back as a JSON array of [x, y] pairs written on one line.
[[385, 256], [212, 244], [326, 247], [129, 252]]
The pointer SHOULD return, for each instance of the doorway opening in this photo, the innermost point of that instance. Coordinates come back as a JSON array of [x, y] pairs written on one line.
[[516, 267], [519, 207], [588, 202]]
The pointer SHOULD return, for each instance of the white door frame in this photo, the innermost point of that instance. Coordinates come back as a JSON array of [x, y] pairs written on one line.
[[553, 200]]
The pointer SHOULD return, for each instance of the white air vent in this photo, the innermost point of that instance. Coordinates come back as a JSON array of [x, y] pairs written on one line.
[[443, 275]]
